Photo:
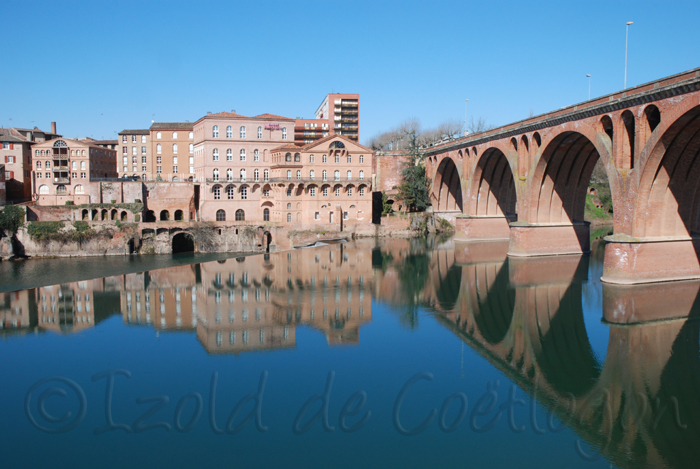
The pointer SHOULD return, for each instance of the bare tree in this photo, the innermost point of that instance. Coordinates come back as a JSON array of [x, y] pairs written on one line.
[[479, 125], [451, 128]]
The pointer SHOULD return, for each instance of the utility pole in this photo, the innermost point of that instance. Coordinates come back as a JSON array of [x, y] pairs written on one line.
[[627, 34], [466, 132], [589, 86]]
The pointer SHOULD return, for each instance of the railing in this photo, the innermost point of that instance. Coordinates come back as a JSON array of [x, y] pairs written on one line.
[[61, 180], [321, 180], [239, 180]]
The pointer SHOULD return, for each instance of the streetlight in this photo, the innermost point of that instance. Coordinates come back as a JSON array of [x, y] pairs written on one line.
[[466, 132], [627, 34], [589, 85]]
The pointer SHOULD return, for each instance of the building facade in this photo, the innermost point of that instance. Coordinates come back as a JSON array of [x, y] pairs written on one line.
[[134, 154], [172, 151], [63, 169], [338, 114]]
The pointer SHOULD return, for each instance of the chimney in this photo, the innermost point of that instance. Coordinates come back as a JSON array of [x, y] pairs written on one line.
[[53, 128]]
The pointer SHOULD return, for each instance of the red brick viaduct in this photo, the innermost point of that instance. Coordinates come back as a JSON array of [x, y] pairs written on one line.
[[527, 181]]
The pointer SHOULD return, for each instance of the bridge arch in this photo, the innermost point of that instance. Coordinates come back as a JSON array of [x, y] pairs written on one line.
[[669, 183], [493, 186], [557, 189], [447, 186]]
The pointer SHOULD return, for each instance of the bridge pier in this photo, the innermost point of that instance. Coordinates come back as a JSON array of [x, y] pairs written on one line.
[[551, 239], [483, 227], [631, 261]]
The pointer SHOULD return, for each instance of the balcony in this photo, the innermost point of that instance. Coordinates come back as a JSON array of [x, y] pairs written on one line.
[[61, 180], [225, 180], [307, 180]]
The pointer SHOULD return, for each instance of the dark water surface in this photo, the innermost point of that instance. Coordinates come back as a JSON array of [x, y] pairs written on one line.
[[383, 354]]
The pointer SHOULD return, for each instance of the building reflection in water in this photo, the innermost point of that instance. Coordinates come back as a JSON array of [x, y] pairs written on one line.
[[639, 406]]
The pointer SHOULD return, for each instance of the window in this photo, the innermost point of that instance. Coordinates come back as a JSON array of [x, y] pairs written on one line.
[[38, 164], [289, 174], [266, 212], [125, 151], [74, 164], [242, 174], [215, 131], [317, 216], [242, 156], [124, 138], [324, 159], [256, 155], [159, 159], [337, 191], [82, 175], [362, 158], [256, 175], [48, 164], [349, 191], [325, 191], [312, 174], [345, 215], [362, 174], [312, 191], [337, 158], [349, 159], [159, 149], [229, 192], [174, 148], [242, 131], [158, 169], [336, 175], [259, 132], [220, 215], [240, 215], [266, 192], [229, 132], [216, 174], [191, 135], [284, 133], [298, 175], [362, 191], [191, 148], [229, 154], [217, 192], [82, 165], [143, 139], [133, 138], [289, 206], [311, 158], [43, 189], [215, 154], [289, 191], [324, 175], [174, 135], [143, 150], [79, 189], [349, 175], [289, 217], [229, 174], [244, 192], [38, 175], [266, 175], [288, 157], [297, 157], [158, 135]]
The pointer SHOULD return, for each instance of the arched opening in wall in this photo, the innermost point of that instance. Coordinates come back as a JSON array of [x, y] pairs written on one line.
[[85, 216], [220, 215], [538, 140], [179, 215], [240, 215], [267, 240], [150, 216], [124, 216], [652, 119], [628, 140], [564, 175], [164, 215], [131, 246], [183, 242], [523, 157], [94, 214], [494, 186], [105, 215], [606, 125], [668, 203], [447, 187], [495, 301], [513, 144], [114, 214]]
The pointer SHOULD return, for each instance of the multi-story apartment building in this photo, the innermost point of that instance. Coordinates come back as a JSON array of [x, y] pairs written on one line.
[[134, 154], [172, 151], [338, 114], [62, 169]]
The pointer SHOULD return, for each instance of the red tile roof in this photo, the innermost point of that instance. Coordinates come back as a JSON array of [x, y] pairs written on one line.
[[272, 116]]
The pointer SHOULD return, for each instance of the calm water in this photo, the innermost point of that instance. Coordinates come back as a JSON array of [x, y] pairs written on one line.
[[385, 354]]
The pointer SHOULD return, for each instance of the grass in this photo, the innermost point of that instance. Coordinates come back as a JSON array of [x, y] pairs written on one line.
[[594, 213]]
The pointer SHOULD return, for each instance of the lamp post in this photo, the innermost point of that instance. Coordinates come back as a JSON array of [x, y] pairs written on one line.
[[627, 34], [589, 85], [466, 132]]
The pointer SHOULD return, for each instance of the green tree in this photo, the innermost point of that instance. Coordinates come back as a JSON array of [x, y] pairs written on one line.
[[413, 190], [11, 218]]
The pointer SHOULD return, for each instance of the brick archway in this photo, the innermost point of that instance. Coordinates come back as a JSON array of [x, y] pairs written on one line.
[[492, 187], [447, 187]]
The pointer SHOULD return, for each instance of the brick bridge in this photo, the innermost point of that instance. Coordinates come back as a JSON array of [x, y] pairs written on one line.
[[527, 181]]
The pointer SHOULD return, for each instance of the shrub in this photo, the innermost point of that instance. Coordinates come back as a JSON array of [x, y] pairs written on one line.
[[11, 219], [114, 201], [137, 218], [138, 201], [69, 202], [44, 231]]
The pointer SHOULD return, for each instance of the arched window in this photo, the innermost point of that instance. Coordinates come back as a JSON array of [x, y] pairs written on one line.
[[158, 149], [288, 157], [289, 174], [324, 159], [43, 189], [216, 174], [174, 148], [229, 132], [297, 157], [337, 144], [256, 175], [362, 158], [79, 189], [242, 130], [215, 131], [220, 215], [217, 192], [336, 175], [266, 175], [191, 148], [174, 135], [61, 189], [229, 192], [324, 175], [298, 174], [240, 215], [289, 206], [266, 213], [259, 132], [256, 155], [284, 133], [312, 174], [229, 154], [158, 135], [289, 217], [362, 175], [82, 153], [242, 154], [349, 175], [215, 154], [229, 174], [242, 174], [311, 158]]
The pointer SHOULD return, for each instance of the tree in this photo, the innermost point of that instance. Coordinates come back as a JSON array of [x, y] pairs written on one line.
[[11, 218], [413, 190], [479, 125]]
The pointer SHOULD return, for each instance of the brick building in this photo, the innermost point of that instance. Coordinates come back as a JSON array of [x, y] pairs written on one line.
[[172, 148], [63, 168], [2, 185], [134, 154], [338, 114]]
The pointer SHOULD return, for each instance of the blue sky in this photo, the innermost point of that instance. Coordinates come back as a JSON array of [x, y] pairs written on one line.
[[101, 66]]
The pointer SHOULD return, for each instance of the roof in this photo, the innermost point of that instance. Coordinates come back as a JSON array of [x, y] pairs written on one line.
[[233, 115], [316, 143], [290, 147], [273, 116], [172, 126], [135, 132], [106, 142], [71, 142], [11, 135], [230, 115]]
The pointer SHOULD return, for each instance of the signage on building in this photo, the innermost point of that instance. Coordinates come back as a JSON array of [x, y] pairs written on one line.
[[272, 127]]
